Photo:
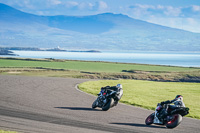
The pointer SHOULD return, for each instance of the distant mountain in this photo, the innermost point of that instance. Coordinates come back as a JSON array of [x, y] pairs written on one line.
[[105, 31]]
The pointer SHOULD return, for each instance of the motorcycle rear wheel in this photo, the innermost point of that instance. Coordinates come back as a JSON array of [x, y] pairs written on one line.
[[177, 118]]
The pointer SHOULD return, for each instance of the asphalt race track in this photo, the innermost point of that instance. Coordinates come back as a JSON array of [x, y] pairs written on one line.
[[54, 105]]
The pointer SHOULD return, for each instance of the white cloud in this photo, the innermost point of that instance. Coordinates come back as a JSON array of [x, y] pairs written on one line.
[[97, 6], [90, 5], [55, 2], [188, 24], [186, 18], [172, 11], [170, 22], [70, 4], [145, 7], [85, 5], [196, 8], [79, 5], [191, 21], [22, 4], [192, 24], [102, 5], [160, 7], [140, 10]]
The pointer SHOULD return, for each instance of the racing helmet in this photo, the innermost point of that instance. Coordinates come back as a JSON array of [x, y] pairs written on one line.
[[179, 97], [119, 86]]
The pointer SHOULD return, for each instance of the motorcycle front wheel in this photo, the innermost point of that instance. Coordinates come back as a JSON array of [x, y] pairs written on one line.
[[94, 104], [108, 105], [149, 119]]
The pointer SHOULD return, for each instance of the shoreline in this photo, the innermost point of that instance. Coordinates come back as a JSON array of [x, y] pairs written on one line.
[[7, 52], [10, 49]]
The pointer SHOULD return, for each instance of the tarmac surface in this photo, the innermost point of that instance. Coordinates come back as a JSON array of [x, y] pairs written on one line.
[[54, 105]]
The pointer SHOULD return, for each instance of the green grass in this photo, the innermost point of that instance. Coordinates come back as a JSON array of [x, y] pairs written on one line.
[[91, 66], [3, 131], [97, 70], [147, 94]]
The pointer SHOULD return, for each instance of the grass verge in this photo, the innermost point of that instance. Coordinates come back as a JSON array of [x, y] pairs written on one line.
[[147, 94], [3, 131]]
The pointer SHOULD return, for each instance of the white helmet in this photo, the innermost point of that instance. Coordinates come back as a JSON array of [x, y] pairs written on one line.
[[119, 86], [179, 98]]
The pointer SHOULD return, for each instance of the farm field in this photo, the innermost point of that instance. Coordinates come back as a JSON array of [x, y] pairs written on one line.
[[91, 66], [97, 70]]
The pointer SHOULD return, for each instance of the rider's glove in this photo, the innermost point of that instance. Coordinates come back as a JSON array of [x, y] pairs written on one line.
[[162, 103]]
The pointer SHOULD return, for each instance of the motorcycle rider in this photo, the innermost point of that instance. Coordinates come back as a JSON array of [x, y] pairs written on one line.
[[117, 88], [178, 102]]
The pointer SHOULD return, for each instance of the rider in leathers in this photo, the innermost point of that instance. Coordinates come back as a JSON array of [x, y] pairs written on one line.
[[178, 102], [117, 88]]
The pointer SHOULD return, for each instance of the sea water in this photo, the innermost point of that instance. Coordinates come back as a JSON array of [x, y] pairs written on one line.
[[184, 59]]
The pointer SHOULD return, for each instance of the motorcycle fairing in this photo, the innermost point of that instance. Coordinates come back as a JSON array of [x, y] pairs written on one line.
[[156, 120]]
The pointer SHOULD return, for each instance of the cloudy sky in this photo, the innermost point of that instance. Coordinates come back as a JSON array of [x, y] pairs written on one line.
[[182, 14]]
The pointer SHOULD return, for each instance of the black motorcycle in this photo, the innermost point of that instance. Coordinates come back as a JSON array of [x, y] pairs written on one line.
[[171, 120], [105, 100]]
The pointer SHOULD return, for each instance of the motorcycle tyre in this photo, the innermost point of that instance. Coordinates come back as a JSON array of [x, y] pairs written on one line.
[[115, 103], [176, 121], [94, 104], [149, 119], [108, 105]]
